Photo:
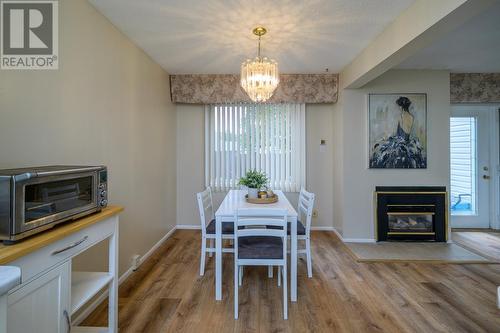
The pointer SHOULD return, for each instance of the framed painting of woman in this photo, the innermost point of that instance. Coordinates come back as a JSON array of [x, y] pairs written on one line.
[[397, 126]]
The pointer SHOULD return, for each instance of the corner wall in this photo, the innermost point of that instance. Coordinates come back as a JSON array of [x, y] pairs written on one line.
[[357, 182], [107, 104]]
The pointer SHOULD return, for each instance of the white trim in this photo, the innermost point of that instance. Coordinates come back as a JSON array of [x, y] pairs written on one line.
[[353, 240], [92, 306], [154, 248], [358, 240], [322, 228], [188, 227], [197, 227], [495, 167], [338, 234]]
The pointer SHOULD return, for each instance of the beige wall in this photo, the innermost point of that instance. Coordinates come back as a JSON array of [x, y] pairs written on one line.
[[190, 162], [357, 181], [107, 104]]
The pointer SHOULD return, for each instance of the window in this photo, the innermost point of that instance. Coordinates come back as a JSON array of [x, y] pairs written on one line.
[[463, 165], [263, 137]]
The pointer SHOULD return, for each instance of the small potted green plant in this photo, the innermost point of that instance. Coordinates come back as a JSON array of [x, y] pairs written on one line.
[[254, 180]]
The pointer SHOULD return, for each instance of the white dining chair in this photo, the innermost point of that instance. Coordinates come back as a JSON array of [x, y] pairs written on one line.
[[305, 209], [207, 220], [257, 245]]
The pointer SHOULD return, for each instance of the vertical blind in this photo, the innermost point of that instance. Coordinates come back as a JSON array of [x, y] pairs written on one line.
[[263, 137], [463, 163]]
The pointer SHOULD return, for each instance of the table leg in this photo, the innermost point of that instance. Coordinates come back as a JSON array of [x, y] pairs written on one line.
[[218, 259], [293, 259]]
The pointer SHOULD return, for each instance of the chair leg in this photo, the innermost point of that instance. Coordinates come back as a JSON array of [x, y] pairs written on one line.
[[240, 273], [285, 295], [202, 257], [309, 261], [236, 278], [279, 276], [270, 272], [211, 244]]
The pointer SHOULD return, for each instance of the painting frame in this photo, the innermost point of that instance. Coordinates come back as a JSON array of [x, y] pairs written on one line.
[[400, 140]]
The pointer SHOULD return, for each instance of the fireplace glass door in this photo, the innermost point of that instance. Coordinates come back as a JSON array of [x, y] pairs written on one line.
[[411, 222]]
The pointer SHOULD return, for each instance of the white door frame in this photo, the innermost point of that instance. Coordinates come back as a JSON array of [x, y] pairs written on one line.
[[495, 166], [494, 188]]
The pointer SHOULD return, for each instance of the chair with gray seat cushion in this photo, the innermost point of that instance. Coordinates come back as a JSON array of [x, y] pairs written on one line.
[[207, 220], [227, 228], [301, 230], [255, 244], [305, 210]]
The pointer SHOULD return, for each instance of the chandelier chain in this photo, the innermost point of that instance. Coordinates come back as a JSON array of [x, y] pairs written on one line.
[[258, 53]]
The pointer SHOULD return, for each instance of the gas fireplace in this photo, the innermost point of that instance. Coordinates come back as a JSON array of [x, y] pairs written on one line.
[[411, 213]]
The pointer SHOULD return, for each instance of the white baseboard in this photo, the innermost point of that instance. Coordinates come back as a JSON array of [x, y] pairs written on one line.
[[358, 240], [197, 227], [338, 234], [353, 240], [157, 245], [84, 314], [316, 228], [320, 228], [188, 227]]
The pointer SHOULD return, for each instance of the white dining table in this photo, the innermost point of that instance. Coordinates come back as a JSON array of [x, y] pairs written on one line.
[[235, 199]]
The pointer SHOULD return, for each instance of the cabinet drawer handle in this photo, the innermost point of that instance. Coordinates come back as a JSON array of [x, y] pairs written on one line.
[[70, 246], [68, 321]]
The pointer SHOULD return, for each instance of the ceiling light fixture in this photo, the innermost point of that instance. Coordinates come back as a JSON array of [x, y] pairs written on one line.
[[259, 77]]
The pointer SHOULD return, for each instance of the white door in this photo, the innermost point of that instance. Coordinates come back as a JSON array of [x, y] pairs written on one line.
[[42, 305], [470, 167]]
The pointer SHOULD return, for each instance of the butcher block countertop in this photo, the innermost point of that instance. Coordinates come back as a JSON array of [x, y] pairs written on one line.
[[9, 253]]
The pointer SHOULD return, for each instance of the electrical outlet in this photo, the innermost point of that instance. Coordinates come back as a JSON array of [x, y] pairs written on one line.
[[315, 213], [136, 261]]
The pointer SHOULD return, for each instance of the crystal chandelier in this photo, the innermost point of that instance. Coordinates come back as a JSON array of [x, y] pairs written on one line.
[[259, 77]]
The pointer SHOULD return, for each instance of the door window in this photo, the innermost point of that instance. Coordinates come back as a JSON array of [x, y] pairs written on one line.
[[463, 161], [49, 198]]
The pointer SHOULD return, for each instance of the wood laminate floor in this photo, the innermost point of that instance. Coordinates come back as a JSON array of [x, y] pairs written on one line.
[[486, 243], [167, 295]]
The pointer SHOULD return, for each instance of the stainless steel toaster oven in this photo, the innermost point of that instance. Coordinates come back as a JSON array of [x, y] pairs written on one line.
[[35, 199]]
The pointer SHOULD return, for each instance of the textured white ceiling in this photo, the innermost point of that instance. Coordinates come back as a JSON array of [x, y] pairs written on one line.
[[214, 36], [473, 47]]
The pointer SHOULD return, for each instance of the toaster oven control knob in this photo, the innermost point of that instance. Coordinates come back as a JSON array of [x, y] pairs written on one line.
[[102, 186], [103, 202], [103, 193]]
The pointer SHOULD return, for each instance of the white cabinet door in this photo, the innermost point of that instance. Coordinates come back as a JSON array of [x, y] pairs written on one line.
[[42, 305]]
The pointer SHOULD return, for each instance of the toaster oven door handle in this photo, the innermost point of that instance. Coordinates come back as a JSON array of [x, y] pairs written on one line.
[[75, 244], [68, 171]]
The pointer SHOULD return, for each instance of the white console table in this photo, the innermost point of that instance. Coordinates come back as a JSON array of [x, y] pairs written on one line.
[[50, 291]]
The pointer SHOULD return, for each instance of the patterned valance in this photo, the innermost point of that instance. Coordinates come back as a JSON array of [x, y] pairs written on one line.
[[475, 88], [225, 88]]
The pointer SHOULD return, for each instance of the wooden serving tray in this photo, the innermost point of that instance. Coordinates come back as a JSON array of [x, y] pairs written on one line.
[[269, 200]]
